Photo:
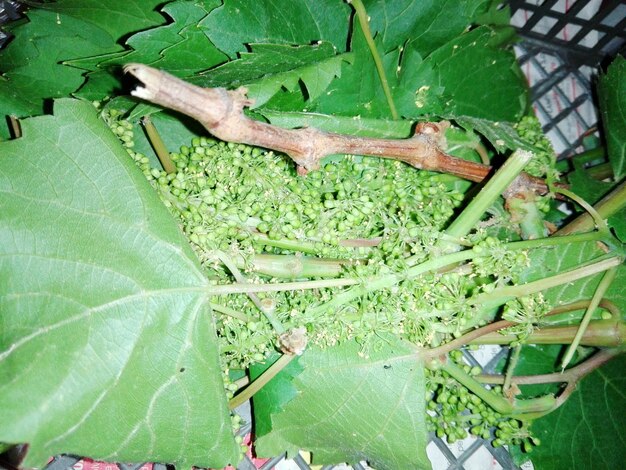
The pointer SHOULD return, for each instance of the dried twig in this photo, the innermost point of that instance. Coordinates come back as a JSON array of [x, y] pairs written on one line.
[[221, 112]]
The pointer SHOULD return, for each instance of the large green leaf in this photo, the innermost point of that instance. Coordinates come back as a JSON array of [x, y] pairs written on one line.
[[589, 430], [427, 24], [502, 135], [39, 46], [358, 91], [107, 343], [63, 30], [240, 22], [351, 406], [116, 17], [180, 47], [269, 67], [612, 93], [549, 261], [471, 75]]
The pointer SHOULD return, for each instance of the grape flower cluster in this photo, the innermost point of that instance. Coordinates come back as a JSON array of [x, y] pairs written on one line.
[[249, 216]]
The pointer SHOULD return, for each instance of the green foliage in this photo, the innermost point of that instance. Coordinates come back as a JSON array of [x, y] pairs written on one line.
[[421, 22], [104, 315], [352, 406], [180, 47], [552, 260], [64, 30], [612, 93], [270, 67], [592, 420], [277, 22], [464, 72]]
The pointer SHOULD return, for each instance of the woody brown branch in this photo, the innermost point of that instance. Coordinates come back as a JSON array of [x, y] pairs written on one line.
[[220, 111]]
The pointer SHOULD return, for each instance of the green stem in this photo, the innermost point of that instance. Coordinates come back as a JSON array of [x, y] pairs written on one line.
[[606, 281], [16, 129], [240, 278], [608, 206], [441, 262], [610, 333], [244, 288], [292, 245], [597, 219], [498, 403], [570, 375], [504, 294], [556, 241], [230, 312], [599, 334], [365, 27], [390, 280], [261, 381], [292, 266], [589, 156], [600, 172], [501, 180], [510, 369], [158, 145], [531, 221]]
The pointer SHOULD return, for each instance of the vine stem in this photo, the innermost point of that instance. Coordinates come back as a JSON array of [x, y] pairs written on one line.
[[487, 195], [571, 375], [499, 403], [606, 207], [16, 129], [606, 281], [261, 381], [494, 298], [231, 312], [240, 278], [504, 294], [363, 18], [221, 112], [476, 336], [517, 349], [158, 145], [244, 288], [591, 211]]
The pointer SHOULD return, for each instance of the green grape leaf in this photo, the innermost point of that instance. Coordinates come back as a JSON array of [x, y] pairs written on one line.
[[468, 76], [589, 430], [612, 94], [106, 325], [550, 261], [271, 399], [239, 23], [471, 75], [427, 24], [502, 135], [32, 64], [116, 17], [374, 403], [180, 47], [593, 191], [40, 45], [268, 68], [358, 90]]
